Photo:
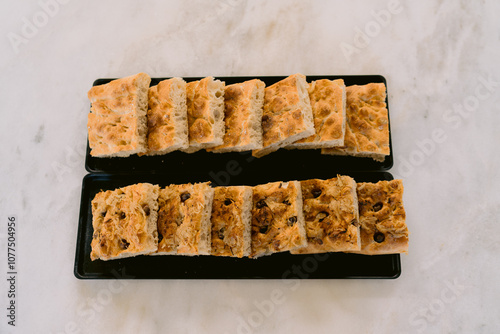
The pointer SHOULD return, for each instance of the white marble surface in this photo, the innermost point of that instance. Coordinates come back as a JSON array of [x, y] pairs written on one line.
[[436, 56]]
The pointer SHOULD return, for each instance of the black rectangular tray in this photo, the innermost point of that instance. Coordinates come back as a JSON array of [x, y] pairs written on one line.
[[276, 266], [179, 162]]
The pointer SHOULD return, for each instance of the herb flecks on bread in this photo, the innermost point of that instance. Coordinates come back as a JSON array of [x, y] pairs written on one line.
[[382, 218], [277, 218], [331, 215], [124, 222]]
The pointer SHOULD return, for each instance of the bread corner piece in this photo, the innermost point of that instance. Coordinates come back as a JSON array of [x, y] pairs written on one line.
[[184, 225], [205, 110], [243, 117], [328, 102], [367, 131], [167, 117], [124, 222], [277, 218], [287, 115], [331, 216], [231, 221], [382, 218], [117, 125]]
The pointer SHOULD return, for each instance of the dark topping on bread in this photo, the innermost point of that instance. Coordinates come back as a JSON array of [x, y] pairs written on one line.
[[146, 209], [261, 204], [377, 206], [379, 237], [185, 196], [122, 215], [103, 214], [228, 201], [124, 244], [322, 215], [316, 192], [265, 118], [263, 229], [292, 220], [221, 233], [286, 202], [318, 241]]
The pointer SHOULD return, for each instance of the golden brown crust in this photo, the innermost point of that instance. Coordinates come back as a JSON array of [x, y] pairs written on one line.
[[203, 118], [169, 218], [182, 219], [243, 115], [367, 132], [277, 218], [124, 222], [117, 122], [287, 114], [382, 218], [331, 215], [231, 211], [167, 124], [328, 106]]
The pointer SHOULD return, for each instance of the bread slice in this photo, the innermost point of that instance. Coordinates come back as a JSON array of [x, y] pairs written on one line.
[[277, 218], [205, 109], [367, 132], [124, 222], [382, 218], [170, 217], [328, 102], [117, 124], [287, 115], [243, 116], [331, 215], [167, 117], [231, 221], [184, 225]]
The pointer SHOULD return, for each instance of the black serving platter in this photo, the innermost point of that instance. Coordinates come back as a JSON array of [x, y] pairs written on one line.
[[277, 266], [179, 162]]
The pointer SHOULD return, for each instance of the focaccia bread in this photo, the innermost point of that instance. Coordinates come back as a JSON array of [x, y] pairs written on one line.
[[367, 132], [328, 102], [277, 218], [184, 225], [205, 109], [287, 115], [231, 221], [117, 125], [382, 218], [124, 222], [243, 117], [167, 117], [331, 215]]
